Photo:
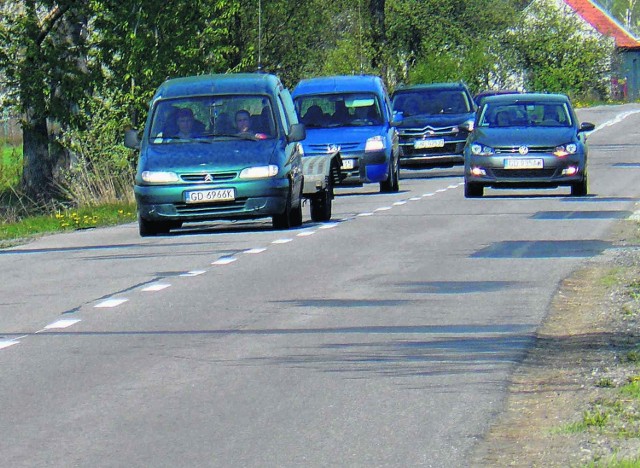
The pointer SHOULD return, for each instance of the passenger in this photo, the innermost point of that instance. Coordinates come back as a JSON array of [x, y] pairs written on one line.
[[243, 121], [503, 119], [313, 117], [187, 125]]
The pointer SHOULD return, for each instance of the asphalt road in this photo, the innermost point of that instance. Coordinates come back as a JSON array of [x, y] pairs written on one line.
[[384, 338]]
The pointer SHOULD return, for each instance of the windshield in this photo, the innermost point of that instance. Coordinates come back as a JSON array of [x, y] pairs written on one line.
[[208, 117], [525, 114], [432, 102], [339, 110]]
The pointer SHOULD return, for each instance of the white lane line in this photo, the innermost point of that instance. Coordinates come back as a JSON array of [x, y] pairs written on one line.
[[383, 208], [327, 226], [364, 214], [305, 233], [619, 118], [62, 323], [110, 303], [156, 287], [414, 198], [224, 261], [399, 203], [193, 273], [441, 190], [453, 186], [255, 250], [282, 241], [7, 343], [428, 194]]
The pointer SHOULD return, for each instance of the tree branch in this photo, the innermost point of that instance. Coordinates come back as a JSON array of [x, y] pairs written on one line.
[[49, 22]]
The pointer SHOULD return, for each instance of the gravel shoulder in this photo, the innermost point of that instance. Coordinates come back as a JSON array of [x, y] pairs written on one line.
[[581, 359]]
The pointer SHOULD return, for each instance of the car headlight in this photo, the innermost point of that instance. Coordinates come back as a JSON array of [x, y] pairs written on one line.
[[259, 172], [159, 177], [564, 150], [480, 150], [375, 143]]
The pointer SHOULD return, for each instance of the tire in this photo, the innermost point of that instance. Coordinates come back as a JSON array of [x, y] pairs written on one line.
[[392, 184], [473, 190], [580, 189], [291, 217], [321, 206], [148, 228]]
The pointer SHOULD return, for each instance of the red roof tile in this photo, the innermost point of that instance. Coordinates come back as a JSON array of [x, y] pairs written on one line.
[[603, 23]]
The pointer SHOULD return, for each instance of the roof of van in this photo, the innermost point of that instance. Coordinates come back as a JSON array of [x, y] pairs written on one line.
[[338, 84], [231, 83]]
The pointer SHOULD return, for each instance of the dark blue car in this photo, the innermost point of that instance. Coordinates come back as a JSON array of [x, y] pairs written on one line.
[[351, 115]]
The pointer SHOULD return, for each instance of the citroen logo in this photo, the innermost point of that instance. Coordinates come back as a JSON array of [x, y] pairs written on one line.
[[208, 178], [523, 150], [333, 149]]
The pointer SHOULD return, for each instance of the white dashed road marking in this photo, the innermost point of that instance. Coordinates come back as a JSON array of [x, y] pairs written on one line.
[[256, 250], [156, 287], [110, 303], [7, 343], [224, 261], [282, 241], [194, 273], [63, 323]]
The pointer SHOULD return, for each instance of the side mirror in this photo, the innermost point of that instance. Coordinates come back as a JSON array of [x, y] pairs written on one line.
[[586, 127], [397, 118], [131, 139], [297, 132]]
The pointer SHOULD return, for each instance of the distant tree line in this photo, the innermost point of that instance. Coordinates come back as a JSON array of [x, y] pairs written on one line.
[[63, 63]]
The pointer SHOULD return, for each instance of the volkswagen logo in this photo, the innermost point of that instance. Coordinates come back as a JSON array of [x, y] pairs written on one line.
[[333, 149], [208, 178], [523, 150]]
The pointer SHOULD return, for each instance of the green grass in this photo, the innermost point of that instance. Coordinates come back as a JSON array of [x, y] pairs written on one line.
[[10, 165], [27, 228]]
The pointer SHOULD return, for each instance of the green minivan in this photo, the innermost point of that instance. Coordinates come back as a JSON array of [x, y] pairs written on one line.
[[219, 147]]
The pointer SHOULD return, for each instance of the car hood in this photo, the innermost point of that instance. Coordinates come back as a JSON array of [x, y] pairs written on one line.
[[530, 136], [341, 135], [210, 155], [435, 120]]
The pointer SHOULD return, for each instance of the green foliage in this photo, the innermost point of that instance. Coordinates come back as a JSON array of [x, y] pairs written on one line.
[[10, 166], [558, 54], [101, 170]]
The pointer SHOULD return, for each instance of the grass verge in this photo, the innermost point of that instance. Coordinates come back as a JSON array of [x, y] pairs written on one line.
[[27, 228]]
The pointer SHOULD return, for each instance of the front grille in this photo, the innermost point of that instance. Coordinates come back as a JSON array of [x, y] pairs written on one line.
[[324, 147], [209, 177], [524, 173], [428, 131], [532, 149]]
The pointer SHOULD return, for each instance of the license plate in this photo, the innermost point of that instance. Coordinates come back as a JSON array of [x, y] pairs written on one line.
[[348, 164], [433, 143], [517, 163], [209, 196]]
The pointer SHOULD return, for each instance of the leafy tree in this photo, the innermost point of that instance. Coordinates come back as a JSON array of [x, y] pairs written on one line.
[[560, 55]]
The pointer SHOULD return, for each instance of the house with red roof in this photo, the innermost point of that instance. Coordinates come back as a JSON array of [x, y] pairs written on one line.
[[625, 80]]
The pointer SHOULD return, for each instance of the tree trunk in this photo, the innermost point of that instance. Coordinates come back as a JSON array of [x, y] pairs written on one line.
[[37, 175]]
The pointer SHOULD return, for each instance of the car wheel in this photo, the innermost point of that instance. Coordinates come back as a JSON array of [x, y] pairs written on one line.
[[296, 213], [148, 228], [291, 217], [321, 205], [580, 189], [392, 184], [473, 190]]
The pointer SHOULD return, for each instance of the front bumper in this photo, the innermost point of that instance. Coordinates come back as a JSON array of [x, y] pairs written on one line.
[[253, 199], [554, 171], [361, 167]]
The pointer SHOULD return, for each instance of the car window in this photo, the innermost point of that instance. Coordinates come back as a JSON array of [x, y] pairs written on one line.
[[525, 114], [339, 110], [175, 121], [431, 102]]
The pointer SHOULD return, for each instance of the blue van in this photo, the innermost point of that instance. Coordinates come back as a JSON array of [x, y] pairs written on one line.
[[351, 115]]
